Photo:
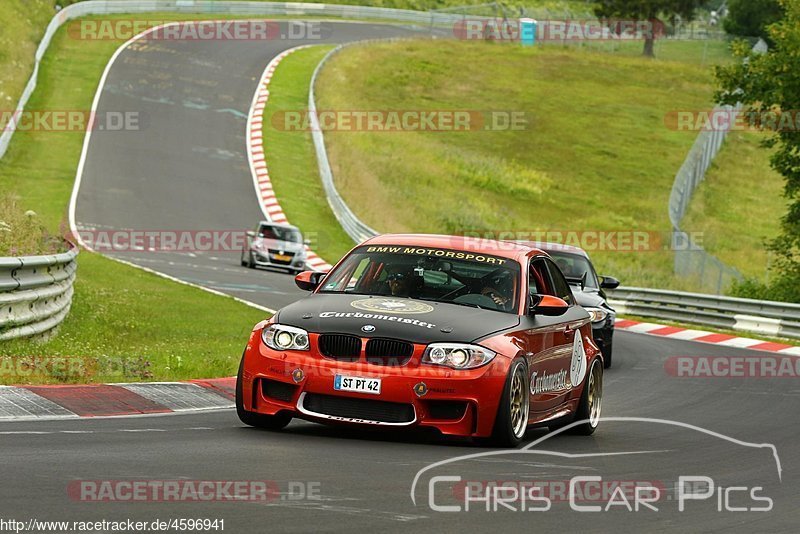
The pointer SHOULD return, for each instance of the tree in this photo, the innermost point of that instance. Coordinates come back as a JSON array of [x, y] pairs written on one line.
[[649, 10], [750, 18], [769, 84]]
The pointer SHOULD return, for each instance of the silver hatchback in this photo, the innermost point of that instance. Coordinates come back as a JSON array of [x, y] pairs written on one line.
[[275, 245]]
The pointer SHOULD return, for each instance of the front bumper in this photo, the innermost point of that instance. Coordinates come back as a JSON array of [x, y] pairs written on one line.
[[266, 259], [603, 333], [457, 403]]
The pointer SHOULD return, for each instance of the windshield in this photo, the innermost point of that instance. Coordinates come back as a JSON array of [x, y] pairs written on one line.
[[280, 233], [574, 266], [440, 275]]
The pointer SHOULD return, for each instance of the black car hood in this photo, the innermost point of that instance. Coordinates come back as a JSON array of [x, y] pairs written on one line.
[[588, 298], [412, 320]]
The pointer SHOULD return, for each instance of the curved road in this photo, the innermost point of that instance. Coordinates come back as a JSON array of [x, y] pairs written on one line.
[[184, 167], [187, 170]]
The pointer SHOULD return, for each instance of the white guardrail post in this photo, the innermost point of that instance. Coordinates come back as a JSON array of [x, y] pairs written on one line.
[[35, 293]]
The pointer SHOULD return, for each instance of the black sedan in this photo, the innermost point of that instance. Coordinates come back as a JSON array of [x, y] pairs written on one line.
[[588, 288]]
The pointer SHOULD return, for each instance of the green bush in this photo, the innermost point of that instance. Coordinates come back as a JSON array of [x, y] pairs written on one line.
[[783, 289]]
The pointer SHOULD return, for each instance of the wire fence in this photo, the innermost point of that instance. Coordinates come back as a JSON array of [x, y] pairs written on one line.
[[691, 260]]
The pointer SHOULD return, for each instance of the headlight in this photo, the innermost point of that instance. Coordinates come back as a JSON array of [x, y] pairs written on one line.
[[597, 314], [282, 337], [457, 355]]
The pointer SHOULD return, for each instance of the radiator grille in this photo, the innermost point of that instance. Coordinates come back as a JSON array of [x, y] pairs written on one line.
[[388, 352], [341, 347]]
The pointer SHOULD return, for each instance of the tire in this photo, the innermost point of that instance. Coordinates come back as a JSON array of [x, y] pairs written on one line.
[[591, 401], [251, 263], [511, 421], [607, 351], [269, 422], [242, 260]]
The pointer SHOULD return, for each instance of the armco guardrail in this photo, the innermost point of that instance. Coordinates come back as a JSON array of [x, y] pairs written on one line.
[[352, 225], [779, 319], [35, 293]]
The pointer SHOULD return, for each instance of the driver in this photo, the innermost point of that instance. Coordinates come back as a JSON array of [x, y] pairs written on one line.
[[499, 287], [399, 281]]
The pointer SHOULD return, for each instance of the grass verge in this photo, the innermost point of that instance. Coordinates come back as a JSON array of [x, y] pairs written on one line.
[[734, 222], [590, 158], [23, 24], [128, 324]]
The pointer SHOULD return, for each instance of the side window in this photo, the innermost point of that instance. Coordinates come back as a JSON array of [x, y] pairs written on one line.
[[348, 279], [560, 285], [538, 278]]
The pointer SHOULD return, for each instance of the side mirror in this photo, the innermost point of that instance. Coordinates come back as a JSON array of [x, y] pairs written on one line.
[[609, 282], [547, 305], [251, 233], [309, 280], [306, 241]]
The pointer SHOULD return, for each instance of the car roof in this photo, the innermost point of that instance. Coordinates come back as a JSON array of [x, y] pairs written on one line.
[[555, 247], [504, 249], [282, 225]]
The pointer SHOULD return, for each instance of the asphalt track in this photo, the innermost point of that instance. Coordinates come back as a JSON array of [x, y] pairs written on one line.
[[188, 170], [361, 481]]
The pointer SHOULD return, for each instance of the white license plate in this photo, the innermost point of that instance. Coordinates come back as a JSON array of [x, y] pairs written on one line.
[[357, 384]]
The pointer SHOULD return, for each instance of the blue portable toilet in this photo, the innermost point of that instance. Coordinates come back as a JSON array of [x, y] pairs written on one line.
[[527, 31]]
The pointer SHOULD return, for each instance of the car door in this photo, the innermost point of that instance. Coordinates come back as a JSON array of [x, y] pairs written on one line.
[[577, 328], [549, 343]]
